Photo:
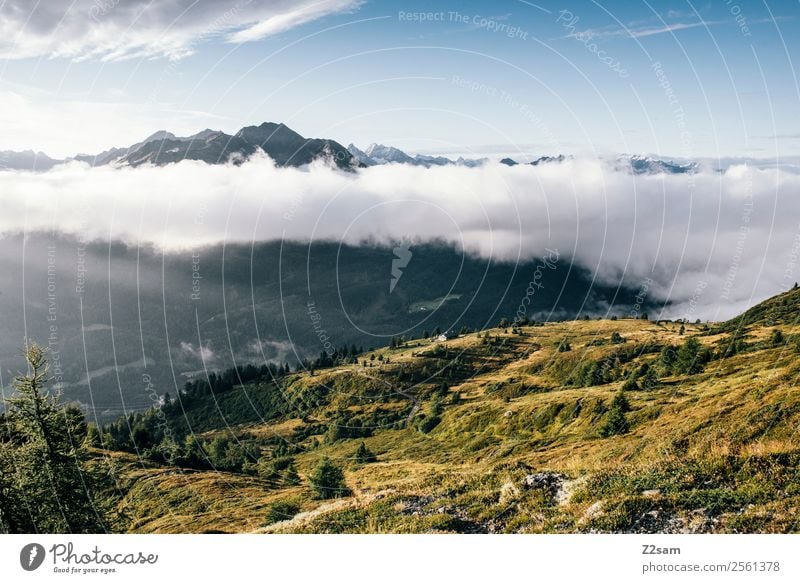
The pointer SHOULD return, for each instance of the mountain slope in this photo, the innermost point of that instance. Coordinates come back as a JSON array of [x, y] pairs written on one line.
[[509, 432], [215, 148], [288, 148], [780, 309], [285, 146]]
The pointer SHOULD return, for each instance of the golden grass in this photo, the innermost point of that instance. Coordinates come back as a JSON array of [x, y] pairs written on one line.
[[744, 407]]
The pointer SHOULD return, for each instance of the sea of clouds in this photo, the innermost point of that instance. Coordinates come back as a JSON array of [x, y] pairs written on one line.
[[711, 242]]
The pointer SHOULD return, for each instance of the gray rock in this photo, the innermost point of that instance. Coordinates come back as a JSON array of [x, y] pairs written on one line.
[[550, 482]]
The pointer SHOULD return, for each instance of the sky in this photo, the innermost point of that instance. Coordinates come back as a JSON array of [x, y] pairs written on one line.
[[480, 78]]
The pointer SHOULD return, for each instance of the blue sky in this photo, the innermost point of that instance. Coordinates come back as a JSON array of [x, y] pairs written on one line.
[[481, 78]]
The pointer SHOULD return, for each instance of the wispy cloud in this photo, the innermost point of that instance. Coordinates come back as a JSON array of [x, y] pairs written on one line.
[[201, 353], [292, 18], [795, 136], [668, 28], [639, 31], [112, 30]]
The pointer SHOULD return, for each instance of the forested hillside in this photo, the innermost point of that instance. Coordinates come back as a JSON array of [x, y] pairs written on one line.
[[610, 425]]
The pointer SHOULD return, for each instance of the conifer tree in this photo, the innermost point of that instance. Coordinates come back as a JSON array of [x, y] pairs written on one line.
[[327, 480], [53, 487], [616, 422]]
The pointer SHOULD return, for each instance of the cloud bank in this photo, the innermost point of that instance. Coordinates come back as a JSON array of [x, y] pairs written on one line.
[[712, 243], [112, 29]]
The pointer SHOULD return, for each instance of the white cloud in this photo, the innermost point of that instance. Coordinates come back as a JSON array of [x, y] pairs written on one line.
[[640, 31], [113, 29], [734, 236], [668, 28], [201, 353], [290, 19]]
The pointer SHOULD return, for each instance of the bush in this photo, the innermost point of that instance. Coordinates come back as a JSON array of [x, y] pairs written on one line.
[[327, 480], [226, 454], [427, 424], [436, 406], [650, 380], [630, 385], [281, 510], [279, 471]]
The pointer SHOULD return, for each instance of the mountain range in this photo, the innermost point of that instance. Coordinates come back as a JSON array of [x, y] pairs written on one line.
[[287, 148]]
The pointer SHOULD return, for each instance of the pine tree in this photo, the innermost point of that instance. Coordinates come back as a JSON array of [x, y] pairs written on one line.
[[48, 448], [364, 455], [327, 480], [668, 357], [14, 510], [687, 359], [621, 402], [290, 475], [616, 422]]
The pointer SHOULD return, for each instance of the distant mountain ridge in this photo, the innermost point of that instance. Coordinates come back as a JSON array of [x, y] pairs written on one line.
[[378, 155], [288, 148], [285, 146], [26, 160]]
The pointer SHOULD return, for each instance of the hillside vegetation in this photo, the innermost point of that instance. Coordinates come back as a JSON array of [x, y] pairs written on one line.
[[581, 426]]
